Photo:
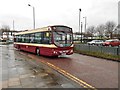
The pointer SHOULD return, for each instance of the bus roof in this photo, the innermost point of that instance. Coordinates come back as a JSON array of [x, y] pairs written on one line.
[[39, 30], [33, 31]]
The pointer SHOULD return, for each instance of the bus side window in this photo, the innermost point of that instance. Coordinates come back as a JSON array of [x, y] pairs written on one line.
[[38, 38], [32, 38], [46, 38], [27, 38], [16, 38], [19, 38], [22, 38]]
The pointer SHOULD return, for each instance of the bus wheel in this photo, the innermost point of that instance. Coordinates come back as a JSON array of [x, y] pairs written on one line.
[[18, 47], [38, 51]]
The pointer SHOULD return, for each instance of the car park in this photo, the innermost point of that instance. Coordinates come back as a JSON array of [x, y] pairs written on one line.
[[112, 42], [95, 42]]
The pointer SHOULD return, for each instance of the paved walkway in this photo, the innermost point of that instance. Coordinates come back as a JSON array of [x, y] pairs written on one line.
[[17, 72]]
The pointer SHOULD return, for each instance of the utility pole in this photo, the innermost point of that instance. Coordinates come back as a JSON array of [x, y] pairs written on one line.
[[33, 15], [13, 25], [13, 28], [85, 22], [79, 18], [81, 32]]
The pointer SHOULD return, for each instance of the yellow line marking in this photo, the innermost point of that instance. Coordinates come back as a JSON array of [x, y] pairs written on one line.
[[77, 80]]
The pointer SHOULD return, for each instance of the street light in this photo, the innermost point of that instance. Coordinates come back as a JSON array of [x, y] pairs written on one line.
[[33, 15], [85, 23], [79, 18], [81, 32], [13, 25]]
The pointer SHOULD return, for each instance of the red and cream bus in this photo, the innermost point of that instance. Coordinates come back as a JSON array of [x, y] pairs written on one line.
[[49, 41]]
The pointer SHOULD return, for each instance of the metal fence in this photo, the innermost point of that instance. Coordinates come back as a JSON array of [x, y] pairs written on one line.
[[102, 49]]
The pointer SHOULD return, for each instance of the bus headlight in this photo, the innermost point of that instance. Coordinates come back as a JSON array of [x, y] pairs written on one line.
[[54, 52]]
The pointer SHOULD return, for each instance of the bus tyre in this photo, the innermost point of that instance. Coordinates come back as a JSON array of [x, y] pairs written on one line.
[[38, 51], [19, 47]]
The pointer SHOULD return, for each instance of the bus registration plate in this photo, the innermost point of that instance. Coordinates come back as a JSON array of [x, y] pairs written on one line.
[[63, 54]]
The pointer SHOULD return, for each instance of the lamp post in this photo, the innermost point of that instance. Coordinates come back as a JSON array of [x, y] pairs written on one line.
[[85, 22], [33, 15], [13, 25], [81, 32], [79, 18]]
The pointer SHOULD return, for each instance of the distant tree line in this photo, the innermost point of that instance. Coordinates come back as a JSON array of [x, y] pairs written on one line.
[[107, 30]]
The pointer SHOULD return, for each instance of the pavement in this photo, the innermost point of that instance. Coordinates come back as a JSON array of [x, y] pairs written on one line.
[[18, 71]]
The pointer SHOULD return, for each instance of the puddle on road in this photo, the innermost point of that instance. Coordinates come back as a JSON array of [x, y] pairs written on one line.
[[46, 75], [19, 59], [51, 79], [52, 83]]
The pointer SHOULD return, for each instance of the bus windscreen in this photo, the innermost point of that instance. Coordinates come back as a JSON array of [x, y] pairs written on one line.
[[62, 39]]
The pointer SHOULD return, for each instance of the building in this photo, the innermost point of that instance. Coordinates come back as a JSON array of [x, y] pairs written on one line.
[[7, 35]]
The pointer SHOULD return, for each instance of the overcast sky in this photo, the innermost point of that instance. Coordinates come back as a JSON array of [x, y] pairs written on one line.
[[57, 12]]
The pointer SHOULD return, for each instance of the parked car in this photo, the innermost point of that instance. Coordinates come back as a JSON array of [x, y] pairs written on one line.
[[95, 42], [112, 42]]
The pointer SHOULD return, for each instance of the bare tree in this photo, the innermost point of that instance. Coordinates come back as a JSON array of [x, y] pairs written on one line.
[[5, 28], [100, 30], [118, 29], [110, 25], [91, 30]]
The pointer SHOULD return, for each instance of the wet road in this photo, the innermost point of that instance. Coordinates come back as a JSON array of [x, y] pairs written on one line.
[[99, 73]]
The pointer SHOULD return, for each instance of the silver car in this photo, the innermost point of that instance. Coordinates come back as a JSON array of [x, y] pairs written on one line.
[[95, 42]]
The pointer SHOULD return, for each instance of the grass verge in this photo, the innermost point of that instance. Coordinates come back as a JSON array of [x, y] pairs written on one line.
[[99, 55]]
